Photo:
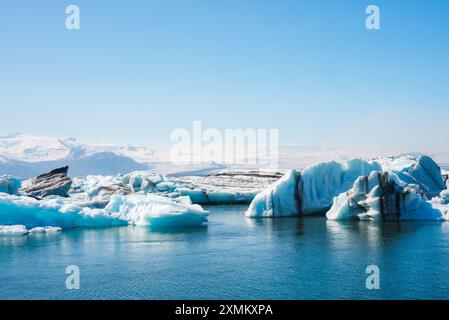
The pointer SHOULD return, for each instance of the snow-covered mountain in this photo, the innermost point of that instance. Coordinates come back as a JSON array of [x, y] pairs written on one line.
[[26, 156], [42, 148]]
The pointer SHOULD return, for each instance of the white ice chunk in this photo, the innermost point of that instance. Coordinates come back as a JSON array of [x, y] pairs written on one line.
[[9, 184], [45, 230], [426, 173], [381, 195], [310, 192], [13, 230], [122, 210], [279, 200], [323, 181], [157, 211]]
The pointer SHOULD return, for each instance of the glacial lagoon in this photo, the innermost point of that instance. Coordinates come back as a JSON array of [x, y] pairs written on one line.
[[233, 258]]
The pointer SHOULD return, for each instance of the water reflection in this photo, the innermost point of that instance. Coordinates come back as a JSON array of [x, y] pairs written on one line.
[[276, 226]]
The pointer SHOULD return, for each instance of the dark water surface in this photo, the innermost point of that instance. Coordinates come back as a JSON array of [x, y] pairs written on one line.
[[234, 258]]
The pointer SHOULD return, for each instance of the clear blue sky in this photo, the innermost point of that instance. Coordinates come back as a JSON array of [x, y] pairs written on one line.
[[138, 69]]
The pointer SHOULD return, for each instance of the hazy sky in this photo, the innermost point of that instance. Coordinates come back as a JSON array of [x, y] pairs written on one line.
[[136, 70]]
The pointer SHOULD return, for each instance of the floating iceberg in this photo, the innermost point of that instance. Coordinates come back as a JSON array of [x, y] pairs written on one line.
[[13, 230], [51, 211], [10, 185], [239, 187], [22, 230], [45, 230], [383, 196], [444, 196], [65, 213], [279, 200], [318, 185], [227, 187], [157, 211], [311, 191], [146, 182], [425, 173]]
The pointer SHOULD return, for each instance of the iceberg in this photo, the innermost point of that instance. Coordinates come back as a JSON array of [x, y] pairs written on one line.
[[226, 187], [157, 211], [383, 196], [138, 209], [22, 230], [44, 230], [319, 184], [425, 173], [279, 200], [51, 211], [444, 196], [10, 185], [144, 181], [234, 187], [442, 203], [311, 191], [13, 230], [323, 181]]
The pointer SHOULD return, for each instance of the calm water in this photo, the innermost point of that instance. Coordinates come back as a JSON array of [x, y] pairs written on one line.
[[235, 258]]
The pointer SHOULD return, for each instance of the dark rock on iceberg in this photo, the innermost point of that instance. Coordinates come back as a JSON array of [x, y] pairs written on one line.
[[101, 196], [382, 196], [53, 183]]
